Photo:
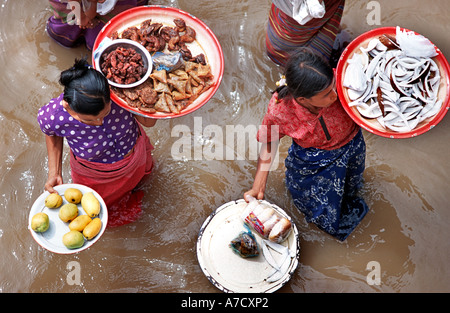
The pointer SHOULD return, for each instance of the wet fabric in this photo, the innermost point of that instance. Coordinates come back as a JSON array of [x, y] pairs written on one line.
[[72, 35], [116, 182], [284, 34], [325, 185]]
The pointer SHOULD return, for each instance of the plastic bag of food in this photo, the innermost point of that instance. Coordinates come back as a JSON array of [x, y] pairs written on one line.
[[245, 245], [167, 61], [266, 221]]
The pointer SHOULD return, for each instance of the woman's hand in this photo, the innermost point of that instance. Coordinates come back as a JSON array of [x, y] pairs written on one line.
[[255, 194], [52, 182], [86, 22], [88, 16], [145, 121]]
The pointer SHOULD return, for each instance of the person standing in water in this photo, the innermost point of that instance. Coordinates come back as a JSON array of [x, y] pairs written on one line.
[[109, 149], [93, 15], [305, 23], [326, 161]]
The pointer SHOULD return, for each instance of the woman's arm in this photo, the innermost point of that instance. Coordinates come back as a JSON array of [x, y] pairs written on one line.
[[265, 159], [146, 121], [54, 151], [88, 14]]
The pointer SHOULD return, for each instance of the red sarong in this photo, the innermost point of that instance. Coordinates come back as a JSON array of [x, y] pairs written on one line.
[[115, 182]]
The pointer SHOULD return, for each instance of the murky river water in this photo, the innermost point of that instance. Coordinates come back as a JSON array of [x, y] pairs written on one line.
[[407, 180]]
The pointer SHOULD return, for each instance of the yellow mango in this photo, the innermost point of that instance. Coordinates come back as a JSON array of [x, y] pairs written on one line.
[[73, 195], [53, 201], [90, 204], [80, 222], [40, 222], [68, 212], [92, 229]]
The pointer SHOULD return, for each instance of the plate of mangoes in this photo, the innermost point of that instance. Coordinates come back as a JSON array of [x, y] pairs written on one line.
[[68, 221]]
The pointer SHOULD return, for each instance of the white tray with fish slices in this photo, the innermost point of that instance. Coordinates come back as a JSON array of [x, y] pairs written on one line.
[[230, 272]]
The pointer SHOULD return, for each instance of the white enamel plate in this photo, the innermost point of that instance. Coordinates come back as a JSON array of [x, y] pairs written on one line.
[[52, 238], [228, 271]]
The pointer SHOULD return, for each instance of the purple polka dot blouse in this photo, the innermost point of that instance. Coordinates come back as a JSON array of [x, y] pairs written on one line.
[[107, 143]]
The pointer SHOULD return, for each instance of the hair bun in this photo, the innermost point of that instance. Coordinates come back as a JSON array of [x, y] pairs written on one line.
[[78, 70]]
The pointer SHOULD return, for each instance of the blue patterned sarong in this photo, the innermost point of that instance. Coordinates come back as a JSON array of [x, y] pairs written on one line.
[[324, 185]]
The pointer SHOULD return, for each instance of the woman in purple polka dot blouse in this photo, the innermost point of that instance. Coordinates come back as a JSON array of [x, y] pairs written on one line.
[[109, 150]]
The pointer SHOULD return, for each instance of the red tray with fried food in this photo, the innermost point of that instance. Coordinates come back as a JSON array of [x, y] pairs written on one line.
[[205, 43]]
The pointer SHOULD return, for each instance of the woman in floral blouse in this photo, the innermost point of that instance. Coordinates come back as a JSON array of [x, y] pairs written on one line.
[[326, 161]]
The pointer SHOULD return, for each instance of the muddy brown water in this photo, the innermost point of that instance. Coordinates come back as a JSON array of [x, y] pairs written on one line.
[[407, 181]]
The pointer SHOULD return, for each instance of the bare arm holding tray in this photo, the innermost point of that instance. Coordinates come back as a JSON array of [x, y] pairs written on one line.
[[54, 151], [265, 159]]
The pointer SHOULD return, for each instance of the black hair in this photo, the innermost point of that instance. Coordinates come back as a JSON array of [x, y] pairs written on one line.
[[307, 74], [86, 90]]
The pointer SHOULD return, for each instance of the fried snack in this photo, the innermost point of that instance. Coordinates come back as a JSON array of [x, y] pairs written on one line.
[[123, 66], [172, 91]]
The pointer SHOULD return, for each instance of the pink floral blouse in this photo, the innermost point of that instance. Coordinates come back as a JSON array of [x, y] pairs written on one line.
[[331, 129]]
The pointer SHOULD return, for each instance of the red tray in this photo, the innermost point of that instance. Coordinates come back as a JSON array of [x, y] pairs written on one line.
[[206, 42]]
